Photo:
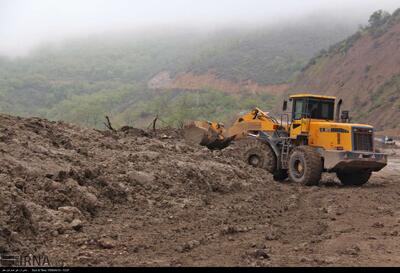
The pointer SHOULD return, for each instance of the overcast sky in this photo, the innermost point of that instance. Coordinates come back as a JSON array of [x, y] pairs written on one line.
[[26, 23]]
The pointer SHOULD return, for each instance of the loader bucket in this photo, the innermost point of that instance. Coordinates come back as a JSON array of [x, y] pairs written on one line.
[[202, 133], [195, 134]]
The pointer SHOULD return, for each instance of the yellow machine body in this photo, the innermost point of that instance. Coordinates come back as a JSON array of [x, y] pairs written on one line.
[[314, 139], [313, 121], [214, 135], [320, 128]]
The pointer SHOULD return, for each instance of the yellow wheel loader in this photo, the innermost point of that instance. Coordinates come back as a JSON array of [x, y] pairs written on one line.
[[310, 139]]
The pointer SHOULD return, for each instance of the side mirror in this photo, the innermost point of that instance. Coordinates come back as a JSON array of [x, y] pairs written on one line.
[[284, 107]]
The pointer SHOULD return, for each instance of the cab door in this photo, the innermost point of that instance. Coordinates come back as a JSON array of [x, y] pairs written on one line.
[[300, 122]]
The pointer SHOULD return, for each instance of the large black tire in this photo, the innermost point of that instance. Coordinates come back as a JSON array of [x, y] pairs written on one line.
[[260, 155], [356, 178], [305, 166]]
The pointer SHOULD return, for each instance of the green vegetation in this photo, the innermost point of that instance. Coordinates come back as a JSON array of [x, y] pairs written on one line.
[[174, 107], [82, 80], [387, 94]]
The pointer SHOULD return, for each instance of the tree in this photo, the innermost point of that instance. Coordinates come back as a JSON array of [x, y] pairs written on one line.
[[378, 18]]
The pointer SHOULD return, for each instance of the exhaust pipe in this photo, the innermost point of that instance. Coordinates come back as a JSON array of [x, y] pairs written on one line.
[[338, 108]]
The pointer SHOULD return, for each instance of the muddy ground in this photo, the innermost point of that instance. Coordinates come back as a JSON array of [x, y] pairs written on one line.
[[136, 198]]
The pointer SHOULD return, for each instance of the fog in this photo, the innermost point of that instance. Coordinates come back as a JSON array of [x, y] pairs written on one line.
[[25, 24]]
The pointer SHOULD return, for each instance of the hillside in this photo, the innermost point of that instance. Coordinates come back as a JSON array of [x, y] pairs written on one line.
[[364, 70], [81, 80]]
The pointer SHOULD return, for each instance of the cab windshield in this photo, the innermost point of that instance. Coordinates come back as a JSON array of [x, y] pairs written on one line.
[[313, 108]]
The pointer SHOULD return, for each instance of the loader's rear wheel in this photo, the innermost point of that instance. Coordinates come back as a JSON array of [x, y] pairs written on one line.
[[259, 155], [305, 166], [356, 178]]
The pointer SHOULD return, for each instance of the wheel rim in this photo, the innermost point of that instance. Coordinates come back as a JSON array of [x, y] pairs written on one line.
[[254, 160], [298, 168]]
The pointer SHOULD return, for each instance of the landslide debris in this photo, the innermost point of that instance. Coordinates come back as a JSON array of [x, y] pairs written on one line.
[[56, 177], [143, 198]]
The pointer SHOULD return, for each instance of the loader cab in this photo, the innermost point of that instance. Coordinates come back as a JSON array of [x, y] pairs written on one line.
[[312, 107], [308, 107]]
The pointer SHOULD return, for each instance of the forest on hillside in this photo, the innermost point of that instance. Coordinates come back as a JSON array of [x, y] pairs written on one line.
[[82, 80]]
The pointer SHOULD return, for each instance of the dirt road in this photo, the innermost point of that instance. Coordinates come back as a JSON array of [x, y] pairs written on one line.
[[328, 225], [137, 199]]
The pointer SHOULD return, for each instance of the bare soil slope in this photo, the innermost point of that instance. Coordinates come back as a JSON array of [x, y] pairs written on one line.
[[133, 198], [365, 73], [210, 81]]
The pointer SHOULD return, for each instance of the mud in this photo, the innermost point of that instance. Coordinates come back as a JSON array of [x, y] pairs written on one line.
[[144, 198]]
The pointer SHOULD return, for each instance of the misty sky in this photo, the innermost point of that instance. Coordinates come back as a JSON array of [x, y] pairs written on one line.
[[26, 23]]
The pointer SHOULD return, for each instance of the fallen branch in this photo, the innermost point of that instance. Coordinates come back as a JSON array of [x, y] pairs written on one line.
[[154, 123], [108, 124]]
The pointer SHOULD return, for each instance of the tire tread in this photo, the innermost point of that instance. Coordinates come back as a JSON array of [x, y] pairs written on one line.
[[264, 150], [314, 162]]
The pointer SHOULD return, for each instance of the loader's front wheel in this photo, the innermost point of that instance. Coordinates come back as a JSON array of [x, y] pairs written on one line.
[[305, 166], [260, 155], [355, 178]]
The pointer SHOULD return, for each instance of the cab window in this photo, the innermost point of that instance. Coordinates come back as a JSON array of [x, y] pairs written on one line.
[[298, 108], [313, 108]]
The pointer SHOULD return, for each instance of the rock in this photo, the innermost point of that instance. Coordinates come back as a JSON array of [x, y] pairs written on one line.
[[306, 260], [188, 246], [179, 249], [83, 151], [330, 260], [70, 183], [353, 251], [272, 236], [71, 210], [77, 224], [90, 198], [14, 236], [51, 185], [192, 244], [378, 225], [87, 200], [84, 260], [20, 183], [70, 213], [321, 261], [141, 178], [133, 249], [229, 230], [179, 148], [261, 254], [106, 243]]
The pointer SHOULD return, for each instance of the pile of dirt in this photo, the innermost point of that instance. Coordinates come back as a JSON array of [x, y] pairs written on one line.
[[135, 197], [56, 178]]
